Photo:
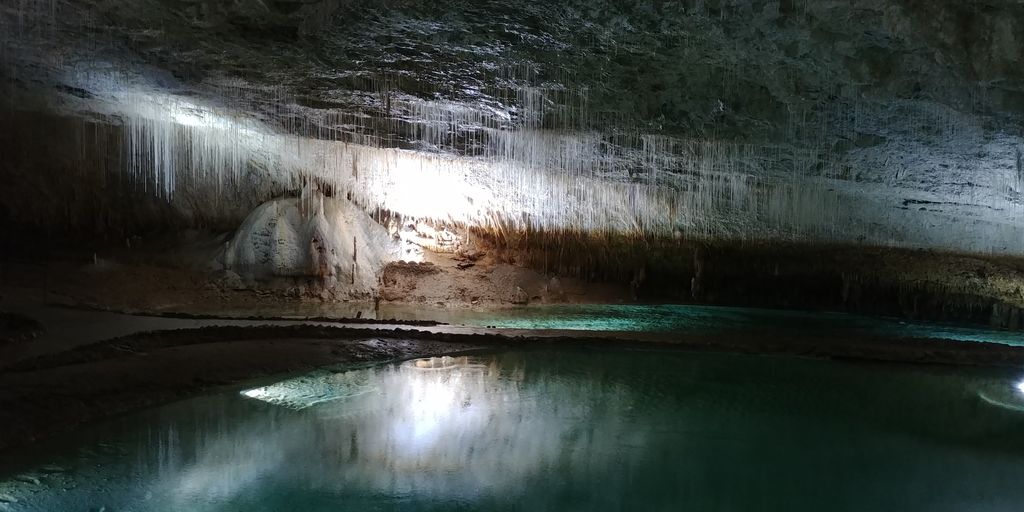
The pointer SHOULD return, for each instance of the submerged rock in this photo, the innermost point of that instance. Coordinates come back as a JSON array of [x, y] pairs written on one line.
[[28, 479]]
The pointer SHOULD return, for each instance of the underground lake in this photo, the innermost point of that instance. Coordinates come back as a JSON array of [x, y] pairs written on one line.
[[589, 428]]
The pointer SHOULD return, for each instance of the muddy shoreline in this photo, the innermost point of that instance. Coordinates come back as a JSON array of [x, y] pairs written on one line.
[[54, 393]]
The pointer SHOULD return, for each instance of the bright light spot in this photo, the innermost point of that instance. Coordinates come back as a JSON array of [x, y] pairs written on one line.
[[432, 404], [257, 393], [190, 118], [439, 394], [1020, 386]]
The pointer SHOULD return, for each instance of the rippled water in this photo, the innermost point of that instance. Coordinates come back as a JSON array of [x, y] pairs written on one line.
[[558, 429]]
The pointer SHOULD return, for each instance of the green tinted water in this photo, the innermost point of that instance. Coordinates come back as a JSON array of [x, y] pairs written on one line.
[[715, 319], [559, 429]]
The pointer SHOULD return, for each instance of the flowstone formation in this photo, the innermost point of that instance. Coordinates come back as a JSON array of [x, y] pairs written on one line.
[[312, 243]]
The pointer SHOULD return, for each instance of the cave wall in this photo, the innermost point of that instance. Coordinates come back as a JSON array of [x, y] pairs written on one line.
[[746, 123], [914, 284], [881, 122], [70, 178]]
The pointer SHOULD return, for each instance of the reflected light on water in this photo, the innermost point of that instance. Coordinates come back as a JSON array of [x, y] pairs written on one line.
[[566, 430], [394, 429], [397, 428], [438, 391]]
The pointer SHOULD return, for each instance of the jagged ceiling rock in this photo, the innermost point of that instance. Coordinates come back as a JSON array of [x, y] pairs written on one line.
[[793, 118], [731, 68]]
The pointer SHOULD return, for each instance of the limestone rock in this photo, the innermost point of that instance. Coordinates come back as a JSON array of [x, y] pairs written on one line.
[[324, 238]]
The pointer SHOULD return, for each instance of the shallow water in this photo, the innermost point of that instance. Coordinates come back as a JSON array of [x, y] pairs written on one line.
[[717, 319], [558, 429]]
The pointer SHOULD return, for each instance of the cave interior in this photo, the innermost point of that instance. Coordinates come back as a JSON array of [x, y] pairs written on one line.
[[642, 171]]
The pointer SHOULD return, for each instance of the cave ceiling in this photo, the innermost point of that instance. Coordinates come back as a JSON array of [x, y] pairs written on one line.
[[921, 97]]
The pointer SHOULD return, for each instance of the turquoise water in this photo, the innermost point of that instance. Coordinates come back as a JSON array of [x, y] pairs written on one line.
[[557, 429], [713, 319]]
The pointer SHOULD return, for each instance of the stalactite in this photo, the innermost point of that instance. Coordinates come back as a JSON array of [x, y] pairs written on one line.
[[532, 156]]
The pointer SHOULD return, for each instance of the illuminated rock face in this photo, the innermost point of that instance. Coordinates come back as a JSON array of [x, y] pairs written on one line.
[[323, 239], [888, 122]]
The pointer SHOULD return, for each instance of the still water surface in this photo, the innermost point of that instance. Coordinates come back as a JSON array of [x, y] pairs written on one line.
[[675, 318], [557, 429]]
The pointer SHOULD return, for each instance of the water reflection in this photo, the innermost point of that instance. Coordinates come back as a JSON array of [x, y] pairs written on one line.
[[432, 425], [563, 430]]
